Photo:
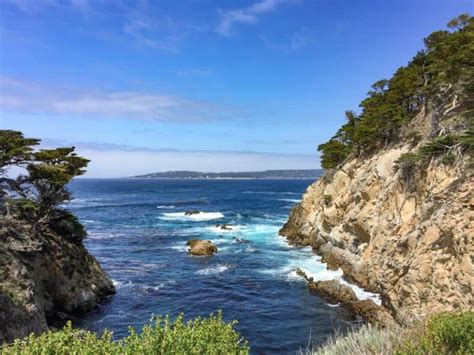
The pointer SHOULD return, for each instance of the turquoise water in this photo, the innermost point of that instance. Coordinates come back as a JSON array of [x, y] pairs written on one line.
[[138, 231]]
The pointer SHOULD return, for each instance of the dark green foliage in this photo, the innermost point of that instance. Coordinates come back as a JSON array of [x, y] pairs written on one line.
[[15, 149], [35, 197], [437, 77], [334, 153], [438, 146], [198, 336], [67, 225], [407, 164]]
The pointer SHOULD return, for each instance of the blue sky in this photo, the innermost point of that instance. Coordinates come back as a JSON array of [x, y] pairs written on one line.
[[142, 86]]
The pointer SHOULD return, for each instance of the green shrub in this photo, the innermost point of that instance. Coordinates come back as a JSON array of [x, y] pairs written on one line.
[[445, 333], [438, 146], [407, 164], [162, 336], [67, 225]]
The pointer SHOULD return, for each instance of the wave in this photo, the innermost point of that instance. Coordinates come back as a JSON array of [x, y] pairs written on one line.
[[166, 206], [129, 284], [289, 200], [213, 270], [219, 230], [101, 235], [271, 192], [198, 217]]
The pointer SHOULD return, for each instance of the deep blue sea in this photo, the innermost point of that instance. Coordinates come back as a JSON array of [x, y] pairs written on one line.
[[138, 231]]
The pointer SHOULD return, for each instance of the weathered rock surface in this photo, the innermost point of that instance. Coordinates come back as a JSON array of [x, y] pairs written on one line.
[[44, 277], [411, 241], [201, 247]]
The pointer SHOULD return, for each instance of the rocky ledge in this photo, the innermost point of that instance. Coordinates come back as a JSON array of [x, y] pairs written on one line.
[[336, 293], [44, 279]]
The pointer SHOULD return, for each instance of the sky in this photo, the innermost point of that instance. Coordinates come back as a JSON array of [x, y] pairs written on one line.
[[145, 86]]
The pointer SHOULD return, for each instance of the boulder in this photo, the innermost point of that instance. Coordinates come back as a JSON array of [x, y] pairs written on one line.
[[201, 247], [333, 291]]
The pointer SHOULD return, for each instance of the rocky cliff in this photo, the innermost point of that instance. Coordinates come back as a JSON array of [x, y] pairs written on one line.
[[44, 278], [406, 235]]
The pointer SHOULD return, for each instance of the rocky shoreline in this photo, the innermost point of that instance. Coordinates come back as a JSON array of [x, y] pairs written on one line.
[[409, 241]]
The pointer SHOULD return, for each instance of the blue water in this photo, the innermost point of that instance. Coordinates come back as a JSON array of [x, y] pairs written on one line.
[[138, 232]]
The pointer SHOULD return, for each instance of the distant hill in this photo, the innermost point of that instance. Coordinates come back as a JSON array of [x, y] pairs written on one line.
[[267, 174]]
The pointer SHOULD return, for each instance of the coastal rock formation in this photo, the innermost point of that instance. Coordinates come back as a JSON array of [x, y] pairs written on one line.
[[409, 239], [44, 278], [201, 247], [335, 292]]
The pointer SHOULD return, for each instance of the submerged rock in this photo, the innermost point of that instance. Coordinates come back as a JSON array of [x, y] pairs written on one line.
[[241, 240], [201, 247], [224, 227], [190, 213]]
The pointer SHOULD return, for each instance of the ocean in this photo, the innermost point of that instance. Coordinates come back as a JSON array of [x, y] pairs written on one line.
[[137, 229]]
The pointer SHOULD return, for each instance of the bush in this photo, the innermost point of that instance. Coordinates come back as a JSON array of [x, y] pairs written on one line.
[[67, 225], [446, 333], [407, 164], [162, 336], [438, 146]]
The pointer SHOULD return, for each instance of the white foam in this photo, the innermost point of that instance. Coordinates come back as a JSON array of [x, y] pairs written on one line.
[[219, 230], [289, 200], [201, 216], [100, 235], [165, 207], [213, 270], [122, 284], [179, 247]]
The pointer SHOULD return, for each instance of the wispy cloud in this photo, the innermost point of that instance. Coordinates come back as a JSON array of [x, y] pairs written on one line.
[[30, 97], [297, 40], [142, 23], [248, 15]]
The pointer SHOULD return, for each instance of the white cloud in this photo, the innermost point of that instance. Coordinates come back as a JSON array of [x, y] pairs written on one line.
[[115, 160], [250, 14], [23, 96]]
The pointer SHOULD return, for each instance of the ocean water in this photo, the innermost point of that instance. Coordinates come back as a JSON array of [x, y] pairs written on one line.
[[138, 231]]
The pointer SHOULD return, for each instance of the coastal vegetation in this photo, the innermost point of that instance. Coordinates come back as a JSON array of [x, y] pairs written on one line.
[[445, 333], [162, 336], [440, 75], [33, 196]]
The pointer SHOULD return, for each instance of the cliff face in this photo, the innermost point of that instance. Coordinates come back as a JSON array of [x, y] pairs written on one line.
[[410, 240], [44, 277]]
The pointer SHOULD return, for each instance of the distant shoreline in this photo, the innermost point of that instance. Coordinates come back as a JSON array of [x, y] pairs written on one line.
[[290, 174]]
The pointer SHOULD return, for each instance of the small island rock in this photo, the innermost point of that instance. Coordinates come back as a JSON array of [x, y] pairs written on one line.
[[201, 247]]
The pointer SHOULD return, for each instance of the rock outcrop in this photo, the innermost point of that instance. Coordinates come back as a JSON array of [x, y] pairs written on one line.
[[44, 278], [337, 293], [201, 247], [411, 240]]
